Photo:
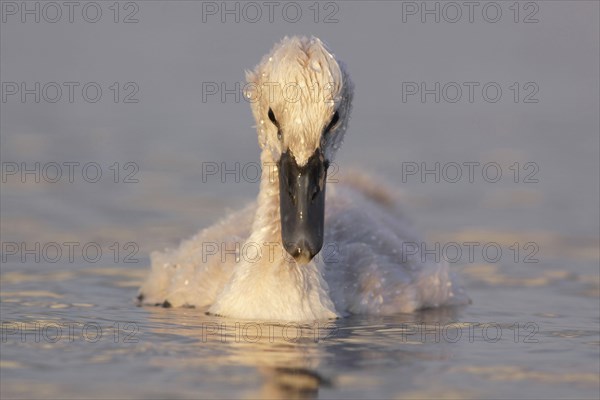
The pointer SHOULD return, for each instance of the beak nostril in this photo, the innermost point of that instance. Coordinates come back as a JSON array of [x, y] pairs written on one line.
[[315, 193]]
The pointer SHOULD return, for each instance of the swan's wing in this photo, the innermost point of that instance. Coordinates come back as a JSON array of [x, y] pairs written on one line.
[[193, 273], [368, 255]]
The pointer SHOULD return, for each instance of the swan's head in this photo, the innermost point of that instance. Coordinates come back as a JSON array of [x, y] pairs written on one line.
[[301, 98]]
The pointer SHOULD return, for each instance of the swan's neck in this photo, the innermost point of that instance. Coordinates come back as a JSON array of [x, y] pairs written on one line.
[[267, 218], [273, 286]]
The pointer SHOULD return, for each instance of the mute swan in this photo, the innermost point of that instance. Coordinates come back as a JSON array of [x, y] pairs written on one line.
[[360, 266]]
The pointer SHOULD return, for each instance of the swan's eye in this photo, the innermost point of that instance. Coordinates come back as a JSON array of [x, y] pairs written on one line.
[[272, 116], [333, 122], [274, 121]]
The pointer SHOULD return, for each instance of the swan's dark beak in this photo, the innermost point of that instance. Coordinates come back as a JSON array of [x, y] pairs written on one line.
[[302, 205]]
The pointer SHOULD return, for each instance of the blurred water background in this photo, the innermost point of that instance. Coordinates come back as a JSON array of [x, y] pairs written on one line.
[[70, 327]]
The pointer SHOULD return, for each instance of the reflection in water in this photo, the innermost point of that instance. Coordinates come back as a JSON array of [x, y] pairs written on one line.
[[295, 360]]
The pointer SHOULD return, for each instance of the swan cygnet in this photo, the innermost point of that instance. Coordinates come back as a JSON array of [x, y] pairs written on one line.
[[297, 254]]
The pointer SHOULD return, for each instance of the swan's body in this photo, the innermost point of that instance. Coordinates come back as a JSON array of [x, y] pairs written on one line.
[[361, 267]]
